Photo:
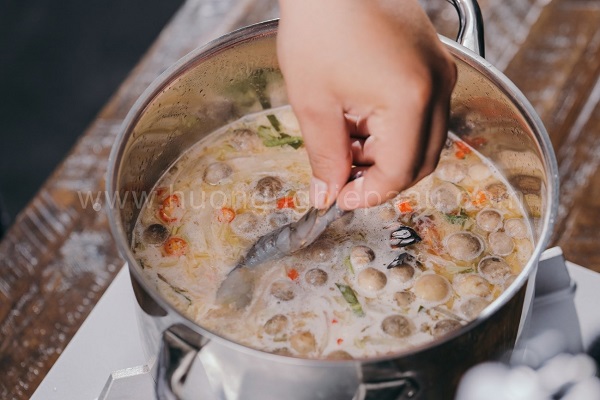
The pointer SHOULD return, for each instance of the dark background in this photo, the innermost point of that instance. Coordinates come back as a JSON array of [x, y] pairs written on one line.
[[60, 61]]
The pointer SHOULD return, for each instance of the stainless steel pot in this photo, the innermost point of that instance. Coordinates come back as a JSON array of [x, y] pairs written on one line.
[[190, 100]]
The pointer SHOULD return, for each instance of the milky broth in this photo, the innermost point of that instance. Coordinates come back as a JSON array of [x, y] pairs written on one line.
[[337, 298]]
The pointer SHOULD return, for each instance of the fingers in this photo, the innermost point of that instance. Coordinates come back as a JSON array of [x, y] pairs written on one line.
[[356, 126], [437, 138], [327, 142], [404, 146], [362, 152], [395, 150], [439, 121]]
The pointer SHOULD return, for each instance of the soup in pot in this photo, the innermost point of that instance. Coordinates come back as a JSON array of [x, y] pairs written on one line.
[[378, 281]]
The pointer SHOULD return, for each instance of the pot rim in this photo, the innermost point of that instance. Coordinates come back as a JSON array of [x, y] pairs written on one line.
[[269, 28]]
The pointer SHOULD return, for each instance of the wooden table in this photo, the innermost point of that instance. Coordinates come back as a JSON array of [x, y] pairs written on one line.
[[58, 258]]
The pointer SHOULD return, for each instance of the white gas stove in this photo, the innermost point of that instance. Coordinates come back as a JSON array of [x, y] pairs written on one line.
[[105, 360]]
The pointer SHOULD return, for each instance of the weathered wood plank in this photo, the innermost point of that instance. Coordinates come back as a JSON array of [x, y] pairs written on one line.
[[580, 202], [558, 69], [58, 258], [506, 24]]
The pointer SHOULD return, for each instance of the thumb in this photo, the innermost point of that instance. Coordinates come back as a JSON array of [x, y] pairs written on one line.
[[328, 145]]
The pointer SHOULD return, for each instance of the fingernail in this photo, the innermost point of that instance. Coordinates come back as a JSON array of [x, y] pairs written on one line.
[[319, 193], [355, 174]]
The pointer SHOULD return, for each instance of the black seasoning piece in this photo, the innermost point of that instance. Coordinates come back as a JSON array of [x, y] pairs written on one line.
[[403, 236], [402, 259]]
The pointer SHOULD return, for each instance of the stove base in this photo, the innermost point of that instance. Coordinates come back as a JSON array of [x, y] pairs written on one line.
[[109, 340]]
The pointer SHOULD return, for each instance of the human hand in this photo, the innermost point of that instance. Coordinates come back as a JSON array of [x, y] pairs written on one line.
[[370, 83]]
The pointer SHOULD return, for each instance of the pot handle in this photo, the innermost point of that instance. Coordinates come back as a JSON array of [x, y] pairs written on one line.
[[403, 388], [470, 25], [178, 350]]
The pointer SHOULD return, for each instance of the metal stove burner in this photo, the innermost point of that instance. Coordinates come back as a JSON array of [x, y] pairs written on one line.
[[129, 383]]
